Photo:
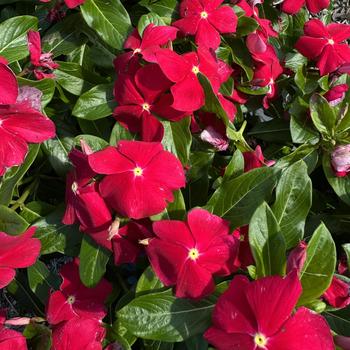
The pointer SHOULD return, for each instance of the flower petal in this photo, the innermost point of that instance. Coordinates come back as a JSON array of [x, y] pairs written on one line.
[[8, 85]]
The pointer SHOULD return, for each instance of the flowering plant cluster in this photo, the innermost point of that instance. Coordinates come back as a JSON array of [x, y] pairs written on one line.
[[174, 175]]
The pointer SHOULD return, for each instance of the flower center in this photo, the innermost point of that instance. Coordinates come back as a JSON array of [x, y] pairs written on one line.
[[136, 51], [204, 14], [71, 299], [195, 70], [74, 187], [331, 42], [193, 254], [138, 171], [260, 340], [145, 107]]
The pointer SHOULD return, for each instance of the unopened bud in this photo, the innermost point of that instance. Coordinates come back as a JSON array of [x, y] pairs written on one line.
[[340, 160], [297, 257]]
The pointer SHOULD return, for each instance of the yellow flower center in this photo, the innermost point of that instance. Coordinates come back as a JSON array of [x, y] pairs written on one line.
[[331, 41], [204, 15], [260, 340], [71, 299], [195, 69], [138, 171], [193, 254], [146, 107]]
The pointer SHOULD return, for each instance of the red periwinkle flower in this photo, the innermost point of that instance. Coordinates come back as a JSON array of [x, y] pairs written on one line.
[[325, 44], [127, 242], [78, 334], [338, 293], [43, 63], [206, 19], [153, 37], [182, 70], [19, 123], [75, 300], [17, 252], [141, 177], [9, 338], [142, 95], [188, 254], [255, 159], [297, 257], [340, 160], [336, 94], [294, 6], [257, 315]]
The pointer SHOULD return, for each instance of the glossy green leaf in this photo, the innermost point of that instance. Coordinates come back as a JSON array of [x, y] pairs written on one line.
[[13, 37], [301, 132], [267, 243], [11, 222], [319, 266], [148, 282], [339, 321], [246, 25], [293, 202], [147, 19]]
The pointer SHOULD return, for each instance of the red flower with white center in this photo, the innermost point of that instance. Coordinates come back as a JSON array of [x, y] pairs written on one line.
[[336, 94], [17, 252], [294, 6], [338, 293], [140, 97], [74, 300], [255, 159], [257, 315], [19, 123], [127, 242], [78, 334], [9, 338], [188, 254], [140, 177], [187, 92], [153, 38], [206, 19], [42, 62], [325, 44]]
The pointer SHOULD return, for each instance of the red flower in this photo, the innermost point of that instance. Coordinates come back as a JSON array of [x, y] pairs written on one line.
[[43, 63], [338, 293], [325, 44], [19, 123], [245, 256], [141, 96], [10, 339], [188, 254], [141, 177], [336, 94], [257, 315], [294, 6], [78, 334], [182, 70], [126, 242], [74, 300], [206, 19], [255, 159], [153, 38], [17, 252], [297, 258]]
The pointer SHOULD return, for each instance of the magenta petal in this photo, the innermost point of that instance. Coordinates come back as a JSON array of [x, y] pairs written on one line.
[[157, 35], [310, 47], [315, 6], [194, 281], [125, 91], [152, 129], [7, 274], [316, 28], [292, 6], [59, 309], [224, 19], [339, 31], [12, 340], [129, 116], [188, 94], [8, 85], [163, 109], [34, 46], [329, 60], [188, 25], [207, 35], [272, 299], [225, 341], [304, 330], [73, 3]]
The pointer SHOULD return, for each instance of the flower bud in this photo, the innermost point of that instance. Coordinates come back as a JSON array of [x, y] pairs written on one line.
[[340, 160], [297, 257], [336, 94]]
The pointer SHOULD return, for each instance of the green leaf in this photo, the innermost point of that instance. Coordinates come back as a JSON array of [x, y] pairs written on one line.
[[178, 138], [109, 19], [119, 133], [42, 281], [295, 60], [95, 143], [246, 25], [346, 248], [162, 316], [148, 282], [46, 86], [11, 179], [301, 132], [147, 19], [167, 9], [13, 38], [293, 202], [267, 243], [57, 237], [93, 261], [319, 266], [276, 130], [340, 185], [235, 167], [323, 115], [339, 321], [176, 210], [237, 199], [38, 336], [96, 103], [11, 222]]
